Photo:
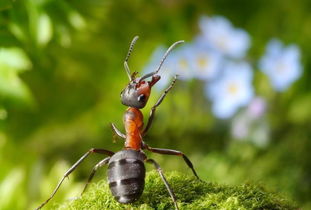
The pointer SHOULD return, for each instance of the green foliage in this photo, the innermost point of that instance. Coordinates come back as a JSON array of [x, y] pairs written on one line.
[[13, 61], [190, 192]]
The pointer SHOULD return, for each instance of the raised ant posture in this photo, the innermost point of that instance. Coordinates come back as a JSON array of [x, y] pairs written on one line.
[[126, 169]]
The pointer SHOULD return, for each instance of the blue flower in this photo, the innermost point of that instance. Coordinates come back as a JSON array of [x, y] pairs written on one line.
[[232, 90], [206, 62], [219, 34], [181, 61], [281, 64]]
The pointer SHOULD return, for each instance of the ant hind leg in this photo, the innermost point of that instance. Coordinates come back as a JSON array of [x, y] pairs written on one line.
[[73, 167], [173, 152], [97, 166], [168, 187]]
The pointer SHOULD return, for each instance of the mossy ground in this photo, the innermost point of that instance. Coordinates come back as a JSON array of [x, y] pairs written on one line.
[[190, 193]]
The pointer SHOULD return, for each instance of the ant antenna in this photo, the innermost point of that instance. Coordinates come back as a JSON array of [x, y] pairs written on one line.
[[162, 61], [127, 69]]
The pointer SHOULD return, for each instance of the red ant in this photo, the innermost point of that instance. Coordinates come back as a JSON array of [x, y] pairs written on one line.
[[126, 169]]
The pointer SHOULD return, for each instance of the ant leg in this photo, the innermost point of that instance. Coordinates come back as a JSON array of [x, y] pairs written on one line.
[[153, 109], [172, 152], [116, 130], [97, 166], [168, 187], [73, 167]]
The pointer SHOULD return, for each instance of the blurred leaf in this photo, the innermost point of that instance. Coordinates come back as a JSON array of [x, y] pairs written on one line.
[[12, 87], [12, 61], [3, 114], [17, 31], [69, 189], [5, 4], [39, 22], [8, 187], [65, 38], [76, 20], [2, 141], [14, 58], [44, 29], [300, 109]]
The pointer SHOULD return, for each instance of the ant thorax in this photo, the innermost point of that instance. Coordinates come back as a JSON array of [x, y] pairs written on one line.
[[133, 122]]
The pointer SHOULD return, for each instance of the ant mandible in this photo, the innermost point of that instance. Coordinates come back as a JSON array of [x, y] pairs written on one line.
[[126, 169]]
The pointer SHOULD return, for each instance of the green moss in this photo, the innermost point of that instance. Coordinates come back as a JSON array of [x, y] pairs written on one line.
[[190, 193]]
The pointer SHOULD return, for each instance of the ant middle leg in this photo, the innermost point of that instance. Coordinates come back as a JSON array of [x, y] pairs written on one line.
[[172, 152], [168, 187], [153, 109], [117, 131], [73, 167], [96, 167]]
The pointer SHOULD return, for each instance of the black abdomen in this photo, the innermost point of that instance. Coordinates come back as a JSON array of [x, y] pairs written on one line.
[[126, 175]]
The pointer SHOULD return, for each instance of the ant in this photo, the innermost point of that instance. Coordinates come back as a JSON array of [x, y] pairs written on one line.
[[126, 169]]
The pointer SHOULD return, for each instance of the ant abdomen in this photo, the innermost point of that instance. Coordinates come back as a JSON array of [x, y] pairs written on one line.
[[126, 175]]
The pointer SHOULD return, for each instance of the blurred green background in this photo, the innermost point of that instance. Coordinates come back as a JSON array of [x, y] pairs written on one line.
[[61, 74]]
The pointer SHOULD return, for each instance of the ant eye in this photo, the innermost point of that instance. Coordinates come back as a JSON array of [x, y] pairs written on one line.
[[141, 98]]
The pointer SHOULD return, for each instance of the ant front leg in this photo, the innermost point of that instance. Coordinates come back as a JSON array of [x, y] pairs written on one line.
[[100, 151], [172, 152], [153, 109], [97, 166], [168, 187]]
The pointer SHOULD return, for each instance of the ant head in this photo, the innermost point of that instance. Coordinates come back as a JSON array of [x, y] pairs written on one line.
[[137, 92]]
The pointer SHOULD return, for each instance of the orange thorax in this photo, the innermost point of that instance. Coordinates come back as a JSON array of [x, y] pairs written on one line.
[[133, 122]]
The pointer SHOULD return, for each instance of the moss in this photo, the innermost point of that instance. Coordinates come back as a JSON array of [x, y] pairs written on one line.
[[190, 193]]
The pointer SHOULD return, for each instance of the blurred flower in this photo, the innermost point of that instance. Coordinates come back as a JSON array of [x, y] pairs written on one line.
[[243, 128], [195, 61], [232, 90], [281, 64], [250, 123], [256, 108], [260, 134], [219, 34], [182, 60], [206, 63], [240, 127]]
